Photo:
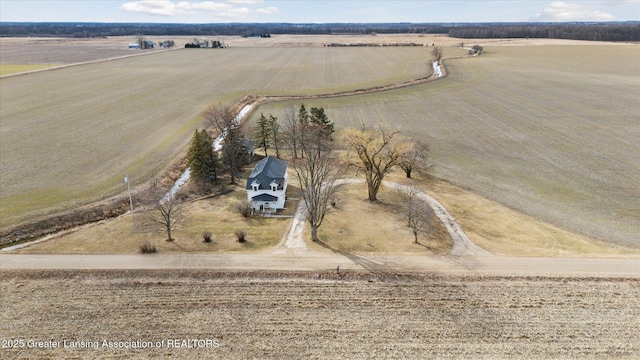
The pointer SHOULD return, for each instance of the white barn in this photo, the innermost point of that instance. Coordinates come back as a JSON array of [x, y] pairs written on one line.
[[267, 185]]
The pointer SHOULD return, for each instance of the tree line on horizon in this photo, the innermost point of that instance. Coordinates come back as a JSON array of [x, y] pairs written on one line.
[[606, 31]]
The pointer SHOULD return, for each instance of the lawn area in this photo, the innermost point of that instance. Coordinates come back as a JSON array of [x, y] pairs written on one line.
[[6, 69], [353, 226], [357, 225], [126, 233]]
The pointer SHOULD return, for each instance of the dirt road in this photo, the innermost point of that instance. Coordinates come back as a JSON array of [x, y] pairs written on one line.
[[310, 261]]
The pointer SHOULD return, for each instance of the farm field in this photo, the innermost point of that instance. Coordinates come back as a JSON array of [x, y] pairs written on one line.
[[70, 135], [50, 50], [555, 141], [549, 131], [321, 315]]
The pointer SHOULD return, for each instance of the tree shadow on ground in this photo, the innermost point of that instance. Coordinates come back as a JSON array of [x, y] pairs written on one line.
[[434, 250], [367, 263], [466, 262]]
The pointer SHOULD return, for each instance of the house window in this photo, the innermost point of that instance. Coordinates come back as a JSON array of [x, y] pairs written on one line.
[[255, 185], [274, 186]]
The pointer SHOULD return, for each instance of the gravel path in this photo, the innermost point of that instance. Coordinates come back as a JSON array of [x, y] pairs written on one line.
[[462, 245], [293, 241]]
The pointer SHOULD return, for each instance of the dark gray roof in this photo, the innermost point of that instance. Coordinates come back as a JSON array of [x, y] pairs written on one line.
[[264, 197], [266, 171]]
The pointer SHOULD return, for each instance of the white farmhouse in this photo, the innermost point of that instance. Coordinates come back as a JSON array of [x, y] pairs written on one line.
[[267, 185]]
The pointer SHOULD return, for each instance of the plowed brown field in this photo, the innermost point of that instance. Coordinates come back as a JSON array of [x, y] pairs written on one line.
[[321, 315]]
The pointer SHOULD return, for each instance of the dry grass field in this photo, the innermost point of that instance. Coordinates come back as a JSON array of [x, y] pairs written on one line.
[[321, 315], [550, 131], [353, 227], [357, 226], [217, 215]]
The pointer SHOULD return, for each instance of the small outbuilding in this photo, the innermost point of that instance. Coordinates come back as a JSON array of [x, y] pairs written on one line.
[[267, 185]]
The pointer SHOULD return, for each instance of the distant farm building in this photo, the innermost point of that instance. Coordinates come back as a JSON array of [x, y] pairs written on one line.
[[144, 44], [147, 44]]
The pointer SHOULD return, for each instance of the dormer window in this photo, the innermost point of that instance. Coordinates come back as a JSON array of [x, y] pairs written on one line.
[[255, 185], [274, 186]]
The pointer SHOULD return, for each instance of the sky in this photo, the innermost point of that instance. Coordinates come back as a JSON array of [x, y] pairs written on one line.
[[317, 11]]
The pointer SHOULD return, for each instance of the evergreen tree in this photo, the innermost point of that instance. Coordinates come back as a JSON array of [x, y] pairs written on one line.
[[319, 118], [276, 136], [303, 116], [303, 125], [201, 158], [263, 133]]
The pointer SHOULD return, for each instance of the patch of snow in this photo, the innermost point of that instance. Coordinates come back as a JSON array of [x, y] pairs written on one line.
[[436, 69], [217, 145], [176, 187]]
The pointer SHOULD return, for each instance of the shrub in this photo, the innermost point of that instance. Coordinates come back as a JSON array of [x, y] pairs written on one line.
[[478, 49], [148, 248], [243, 208], [241, 235], [206, 236]]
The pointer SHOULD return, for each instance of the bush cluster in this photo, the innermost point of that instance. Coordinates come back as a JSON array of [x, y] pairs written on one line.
[[148, 248]]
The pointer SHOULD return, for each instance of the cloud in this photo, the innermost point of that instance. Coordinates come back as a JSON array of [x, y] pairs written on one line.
[[564, 11], [245, 2], [159, 7], [621, 2], [268, 11], [210, 6], [234, 13], [226, 9]]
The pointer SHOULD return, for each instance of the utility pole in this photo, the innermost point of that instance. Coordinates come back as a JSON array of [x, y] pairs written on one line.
[[126, 180]]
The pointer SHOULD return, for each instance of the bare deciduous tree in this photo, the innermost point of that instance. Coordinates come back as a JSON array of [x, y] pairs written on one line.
[[379, 150], [140, 41], [417, 211], [415, 158], [164, 210], [224, 121], [317, 174], [290, 129], [437, 53]]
